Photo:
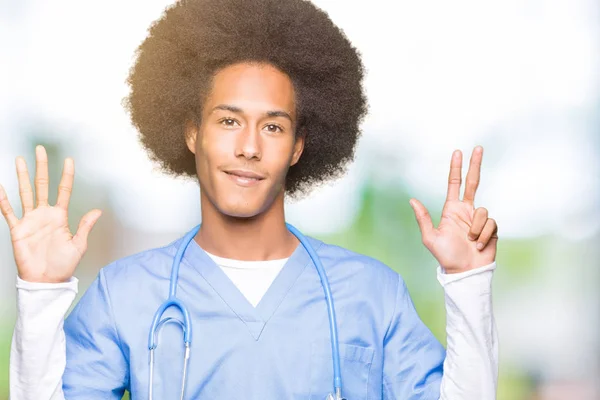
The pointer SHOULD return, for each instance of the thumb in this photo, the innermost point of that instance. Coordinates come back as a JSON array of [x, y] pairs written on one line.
[[423, 219], [85, 226]]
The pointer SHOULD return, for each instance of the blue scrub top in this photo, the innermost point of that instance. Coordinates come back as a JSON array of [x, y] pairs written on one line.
[[279, 350]]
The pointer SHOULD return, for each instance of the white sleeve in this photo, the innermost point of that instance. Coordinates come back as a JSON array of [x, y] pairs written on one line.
[[471, 364], [38, 349]]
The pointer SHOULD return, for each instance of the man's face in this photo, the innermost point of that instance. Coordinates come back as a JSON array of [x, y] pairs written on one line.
[[246, 142]]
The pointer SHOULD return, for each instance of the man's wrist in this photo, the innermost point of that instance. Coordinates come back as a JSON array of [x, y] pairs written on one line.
[[472, 274], [71, 284]]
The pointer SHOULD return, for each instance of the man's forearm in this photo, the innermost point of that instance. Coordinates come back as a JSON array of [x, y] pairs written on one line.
[[471, 364], [38, 354]]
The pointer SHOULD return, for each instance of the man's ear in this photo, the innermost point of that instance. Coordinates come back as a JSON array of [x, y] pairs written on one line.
[[298, 146], [191, 134]]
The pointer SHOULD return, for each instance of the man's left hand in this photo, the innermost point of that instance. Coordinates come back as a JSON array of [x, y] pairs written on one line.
[[454, 243]]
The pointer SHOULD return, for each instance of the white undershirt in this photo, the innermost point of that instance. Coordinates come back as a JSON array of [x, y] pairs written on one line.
[[252, 278]]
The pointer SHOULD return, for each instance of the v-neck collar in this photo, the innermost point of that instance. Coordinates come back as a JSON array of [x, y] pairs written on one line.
[[255, 318]]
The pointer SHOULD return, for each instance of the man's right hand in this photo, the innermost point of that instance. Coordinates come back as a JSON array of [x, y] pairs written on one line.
[[43, 246]]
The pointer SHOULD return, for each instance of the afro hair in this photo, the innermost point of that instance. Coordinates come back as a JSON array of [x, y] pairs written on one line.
[[193, 39]]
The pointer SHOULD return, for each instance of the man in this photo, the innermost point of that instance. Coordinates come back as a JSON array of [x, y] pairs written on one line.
[[257, 100]]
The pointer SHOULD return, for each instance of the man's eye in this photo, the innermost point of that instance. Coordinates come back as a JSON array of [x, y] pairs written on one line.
[[228, 121], [274, 128]]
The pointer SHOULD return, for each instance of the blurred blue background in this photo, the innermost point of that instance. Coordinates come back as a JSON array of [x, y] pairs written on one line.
[[520, 78]]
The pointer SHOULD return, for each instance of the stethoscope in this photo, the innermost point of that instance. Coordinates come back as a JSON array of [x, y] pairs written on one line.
[[186, 325]]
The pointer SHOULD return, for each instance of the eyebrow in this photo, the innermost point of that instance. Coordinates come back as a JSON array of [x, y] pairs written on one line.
[[234, 109]]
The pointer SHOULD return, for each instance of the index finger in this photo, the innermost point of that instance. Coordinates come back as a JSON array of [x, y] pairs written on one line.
[[473, 175], [66, 184], [454, 178]]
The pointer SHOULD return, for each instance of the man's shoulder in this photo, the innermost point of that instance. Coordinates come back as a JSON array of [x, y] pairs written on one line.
[[366, 277], [361, 265], [153, 260]]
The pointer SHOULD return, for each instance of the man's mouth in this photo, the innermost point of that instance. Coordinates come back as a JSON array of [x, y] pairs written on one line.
[[244, 177]]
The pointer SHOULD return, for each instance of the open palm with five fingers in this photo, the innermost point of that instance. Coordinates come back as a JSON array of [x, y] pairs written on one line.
[[454, 243], [43, 246]]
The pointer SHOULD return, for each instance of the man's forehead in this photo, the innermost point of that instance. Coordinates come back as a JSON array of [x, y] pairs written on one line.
[[252, 88]]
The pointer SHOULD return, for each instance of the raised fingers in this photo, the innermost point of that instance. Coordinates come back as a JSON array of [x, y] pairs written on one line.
[[25, 190], [65, 186], [472, 181], [7, 210], [41, 176], [454, 178]]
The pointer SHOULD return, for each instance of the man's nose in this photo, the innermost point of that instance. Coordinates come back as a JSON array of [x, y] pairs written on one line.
[[248, 144]]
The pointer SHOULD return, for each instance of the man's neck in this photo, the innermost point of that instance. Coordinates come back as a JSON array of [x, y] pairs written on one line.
[[263, 237]]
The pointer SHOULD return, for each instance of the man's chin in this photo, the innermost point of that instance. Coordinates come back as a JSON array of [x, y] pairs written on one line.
[[241, 211]]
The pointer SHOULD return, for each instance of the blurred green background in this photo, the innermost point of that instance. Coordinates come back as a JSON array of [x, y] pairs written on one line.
[[519, 78]]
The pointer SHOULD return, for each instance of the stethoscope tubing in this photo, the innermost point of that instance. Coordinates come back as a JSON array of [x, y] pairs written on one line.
[[186, 325]]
